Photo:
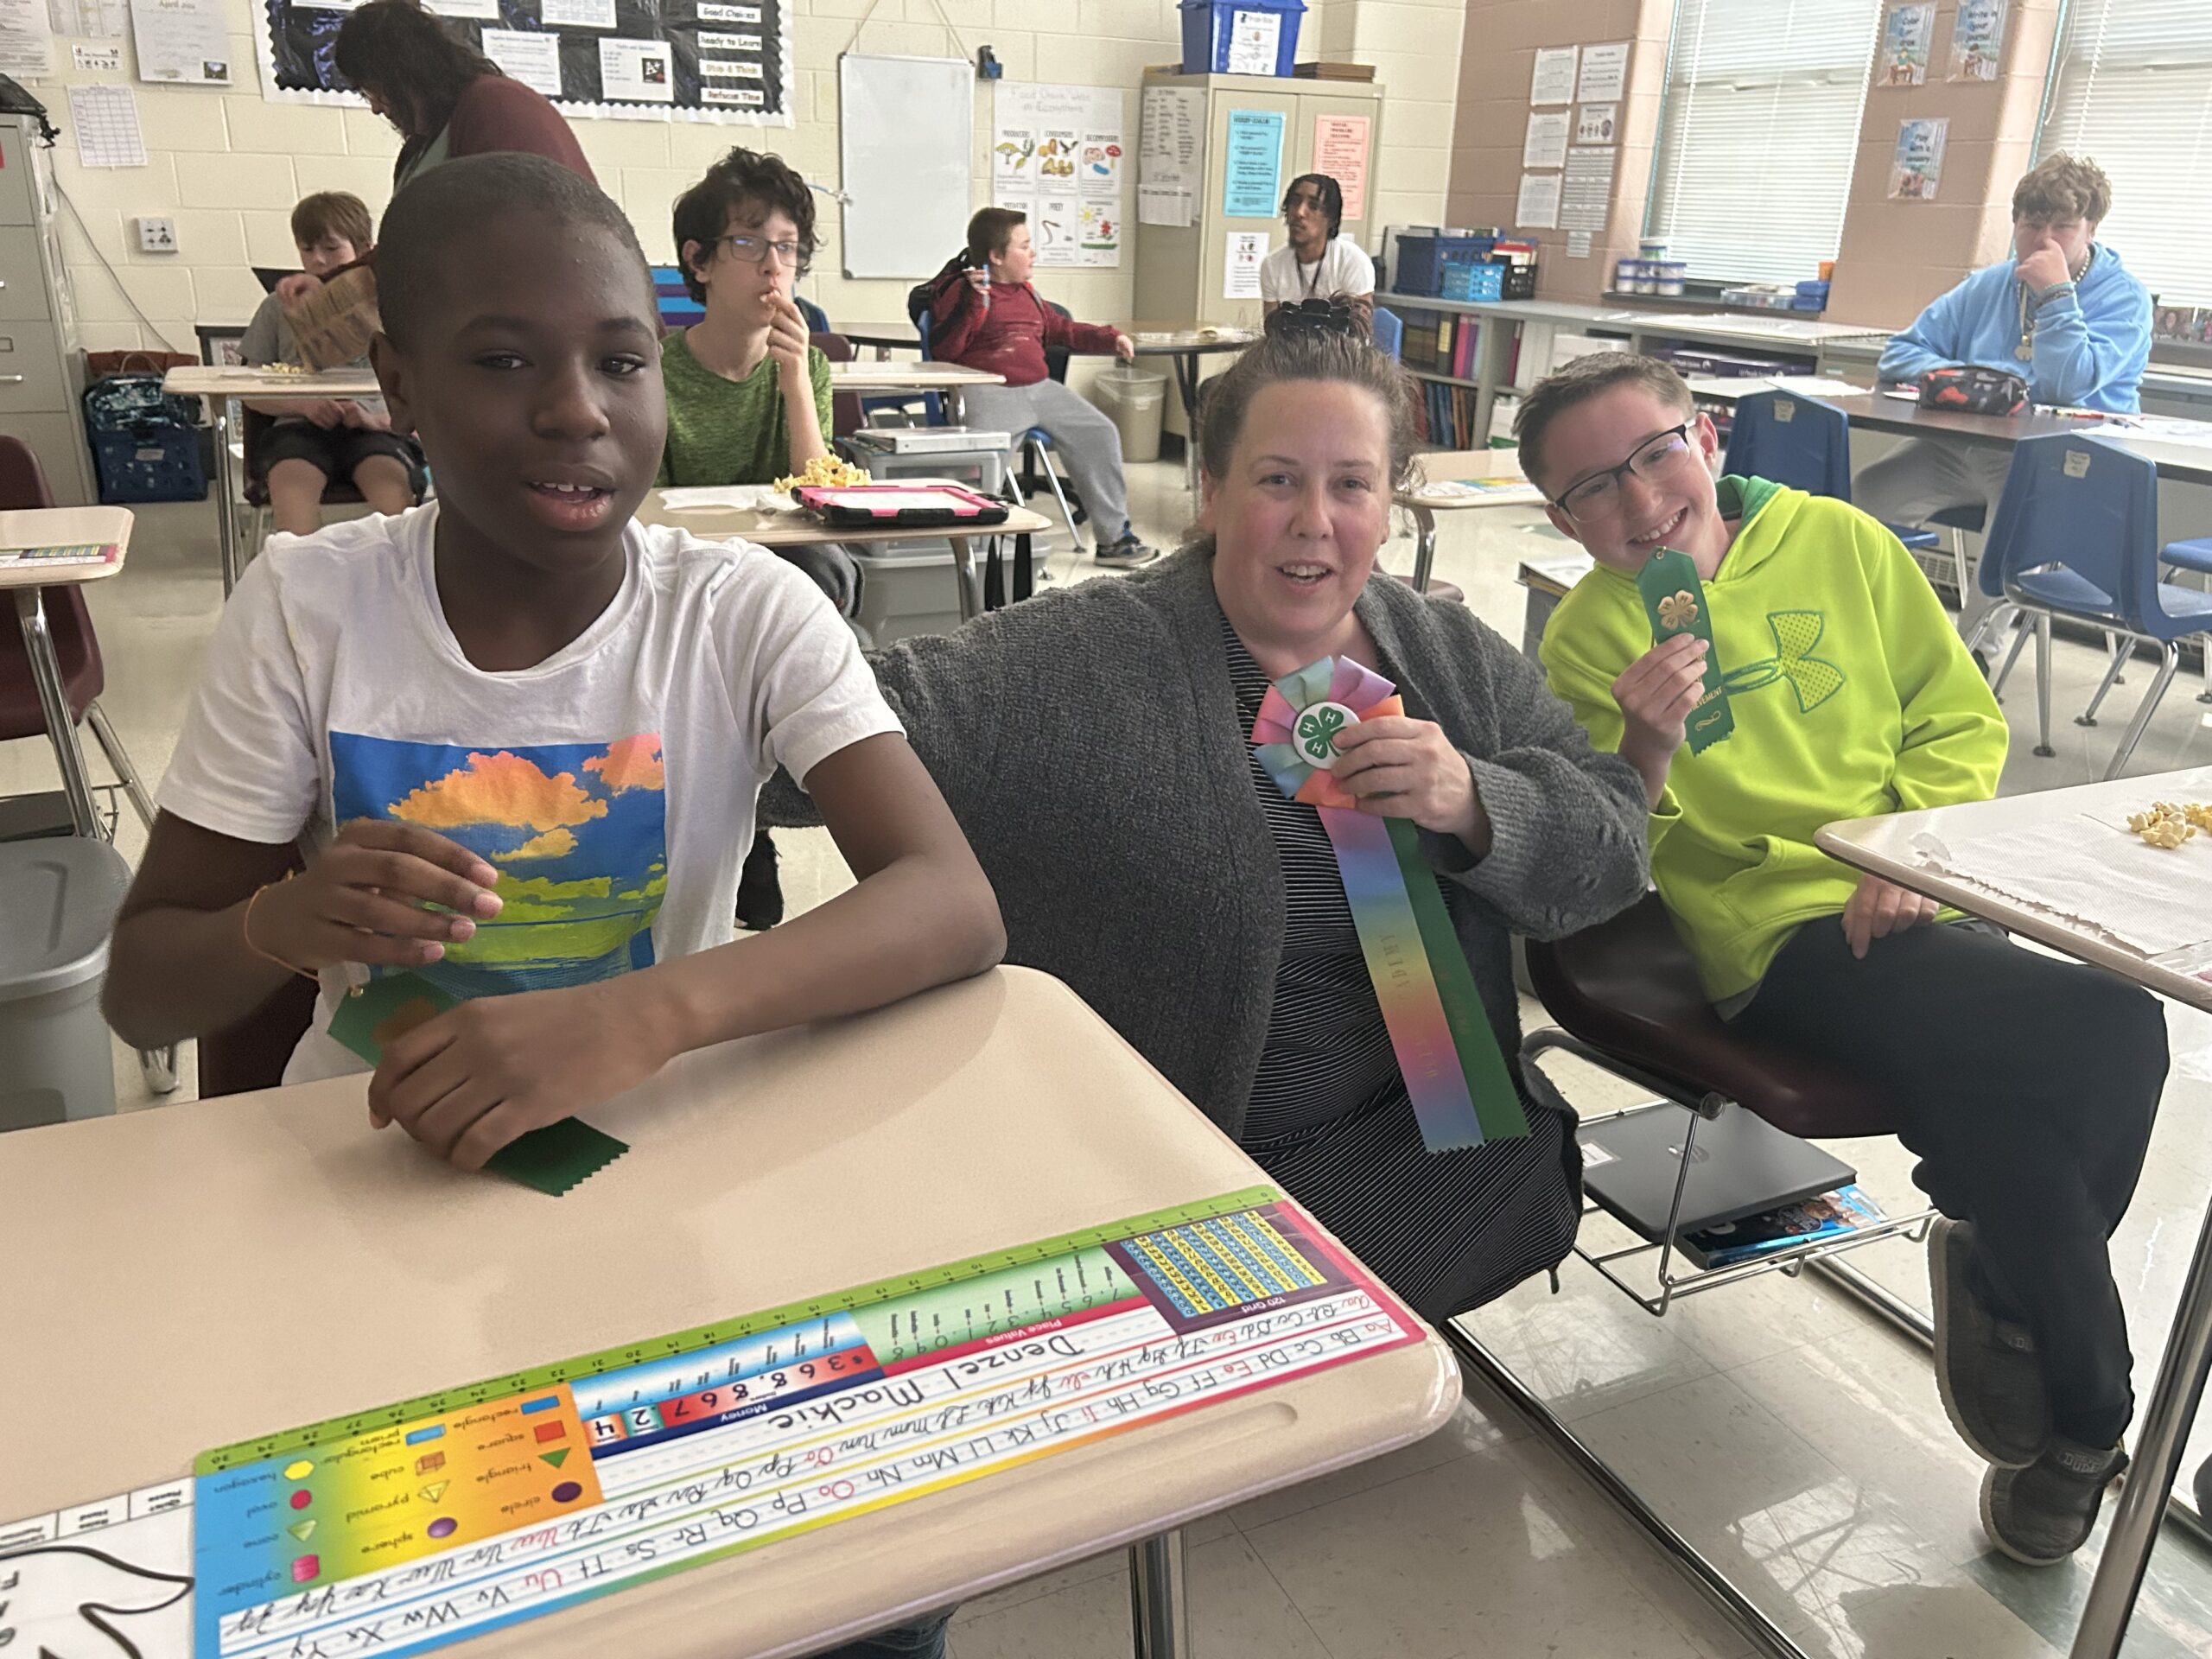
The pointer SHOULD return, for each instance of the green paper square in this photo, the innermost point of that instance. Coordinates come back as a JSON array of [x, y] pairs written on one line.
[[557, 1157], [363, 1014], [1675, 599]]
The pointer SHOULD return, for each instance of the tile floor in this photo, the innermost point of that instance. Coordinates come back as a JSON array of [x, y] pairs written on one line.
[[1797, 1442]]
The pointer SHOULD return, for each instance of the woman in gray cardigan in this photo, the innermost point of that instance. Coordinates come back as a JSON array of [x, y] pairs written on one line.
[[1093, 743]]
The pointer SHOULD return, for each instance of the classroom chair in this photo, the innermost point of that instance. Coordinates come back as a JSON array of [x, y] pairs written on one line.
[[2195, 556], [1807, 445], [254, 491], [1627, 1001], [677, 308], [1034, 449], [2075, 535], [1389, 331], [61, 615]]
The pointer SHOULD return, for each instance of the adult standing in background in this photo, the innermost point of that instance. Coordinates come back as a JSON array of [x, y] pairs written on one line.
[[2061, 313], [447, 99], [1317, 262]]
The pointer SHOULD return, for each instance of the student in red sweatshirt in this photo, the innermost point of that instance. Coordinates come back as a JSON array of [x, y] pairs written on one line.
[[984, 313]]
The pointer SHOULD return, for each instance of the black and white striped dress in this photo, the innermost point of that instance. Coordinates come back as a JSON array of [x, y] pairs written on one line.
[[1330, 1119]]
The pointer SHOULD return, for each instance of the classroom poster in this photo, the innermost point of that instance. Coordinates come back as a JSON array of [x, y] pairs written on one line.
[[1906, 33], [1537, 206], [184, 41], [1240, 277], [1252, 169], [719, 62], [1057, 154], [1544, 143], [1586, 192], [26, 39], [1977, 39], [1605, 74], [1552, 80], [1340, 143], [1596, 123], [1917, 167], [1169, 152]]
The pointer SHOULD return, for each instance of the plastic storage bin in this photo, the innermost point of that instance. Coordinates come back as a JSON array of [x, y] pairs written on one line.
[[1232, 37], [1472, 280], [1422, 257], [1136, 402], [59, 895]]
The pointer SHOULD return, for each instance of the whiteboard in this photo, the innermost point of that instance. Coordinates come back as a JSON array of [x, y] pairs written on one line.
[[909, 143]]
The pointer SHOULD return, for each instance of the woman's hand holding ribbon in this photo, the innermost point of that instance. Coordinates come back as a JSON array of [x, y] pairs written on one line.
[[1401, 767]]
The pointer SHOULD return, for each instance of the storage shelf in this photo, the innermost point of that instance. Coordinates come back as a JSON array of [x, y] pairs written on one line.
[[1443, 379]]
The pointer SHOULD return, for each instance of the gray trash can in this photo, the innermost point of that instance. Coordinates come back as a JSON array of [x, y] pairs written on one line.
[[58, 897], [1135, 400]]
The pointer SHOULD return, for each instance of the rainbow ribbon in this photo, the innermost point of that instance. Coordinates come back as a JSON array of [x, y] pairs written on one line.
[[1448, 1055]]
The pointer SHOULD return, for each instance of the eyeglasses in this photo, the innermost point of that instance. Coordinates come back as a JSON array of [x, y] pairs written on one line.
[[755, 249], [1599, 495]]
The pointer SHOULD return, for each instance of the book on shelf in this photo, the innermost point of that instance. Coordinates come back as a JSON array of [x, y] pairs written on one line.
[[1810, 1221]]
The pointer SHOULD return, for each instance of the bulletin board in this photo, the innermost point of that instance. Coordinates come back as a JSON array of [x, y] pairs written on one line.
[[710, 60]]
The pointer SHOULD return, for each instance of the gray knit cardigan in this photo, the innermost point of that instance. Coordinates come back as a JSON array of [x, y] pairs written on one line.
[[1088, 742]]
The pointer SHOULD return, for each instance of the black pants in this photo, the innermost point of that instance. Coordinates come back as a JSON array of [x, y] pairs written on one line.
[[2027, 1086]]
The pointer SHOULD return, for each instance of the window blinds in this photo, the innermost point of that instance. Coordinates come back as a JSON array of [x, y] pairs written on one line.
[[1759, 134], [2132, 91]]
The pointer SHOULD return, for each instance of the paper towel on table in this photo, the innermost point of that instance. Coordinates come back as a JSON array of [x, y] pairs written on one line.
[[744, 497]]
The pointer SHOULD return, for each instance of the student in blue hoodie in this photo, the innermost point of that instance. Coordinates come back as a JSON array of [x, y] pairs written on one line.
[[2061, 311]]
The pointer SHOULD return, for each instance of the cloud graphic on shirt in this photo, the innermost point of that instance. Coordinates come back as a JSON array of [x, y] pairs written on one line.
[[504, 789], [554, 844], [630, 763]]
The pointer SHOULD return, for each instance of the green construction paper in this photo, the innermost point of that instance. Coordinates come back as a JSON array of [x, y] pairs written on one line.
[[557, 1157], [551, 1160], [1489, 1085], [1675, 599]]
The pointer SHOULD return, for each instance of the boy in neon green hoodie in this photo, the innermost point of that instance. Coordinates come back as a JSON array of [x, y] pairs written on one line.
[[2026, 1085]]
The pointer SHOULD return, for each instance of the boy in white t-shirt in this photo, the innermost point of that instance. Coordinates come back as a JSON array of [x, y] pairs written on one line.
[[517, 735], [1316, 263]]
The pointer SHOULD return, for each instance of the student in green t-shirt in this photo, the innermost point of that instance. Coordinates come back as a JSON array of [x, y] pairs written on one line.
[[748, 396]]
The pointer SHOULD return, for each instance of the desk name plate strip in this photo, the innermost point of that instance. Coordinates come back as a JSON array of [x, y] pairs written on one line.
[[446, 1515]]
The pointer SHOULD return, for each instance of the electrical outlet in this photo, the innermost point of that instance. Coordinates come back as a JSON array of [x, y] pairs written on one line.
[[156, 235]]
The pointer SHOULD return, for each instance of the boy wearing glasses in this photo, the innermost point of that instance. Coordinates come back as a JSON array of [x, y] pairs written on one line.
[[748, 393], [2026, 1085]]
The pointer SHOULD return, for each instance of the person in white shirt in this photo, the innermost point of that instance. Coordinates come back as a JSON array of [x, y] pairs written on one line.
[[1317, 262], [518, 736]]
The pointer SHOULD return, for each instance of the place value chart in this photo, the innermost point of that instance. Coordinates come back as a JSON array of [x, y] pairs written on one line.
[[401, 1529]]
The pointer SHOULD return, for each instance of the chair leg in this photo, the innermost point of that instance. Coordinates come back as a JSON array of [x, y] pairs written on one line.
[[53, 705], [119, 757], [2114, 642], [1991, 620], [2169, 660], [2089, 716], [2020, 631], [2042, 686], [1052, 478], [1959, 565]]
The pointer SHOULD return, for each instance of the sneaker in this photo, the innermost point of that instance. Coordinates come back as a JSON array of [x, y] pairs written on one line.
[[2042, 1514], [1127, 551], [1986, 1367], [760, 894]]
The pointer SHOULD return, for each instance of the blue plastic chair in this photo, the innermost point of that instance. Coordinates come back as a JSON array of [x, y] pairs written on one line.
[[677, 308], [1389, 333], [2075, 535], [2193, 555], [1807, 445], [817, 320]]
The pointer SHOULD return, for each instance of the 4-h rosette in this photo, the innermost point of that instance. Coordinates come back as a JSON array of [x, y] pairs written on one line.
[[1462, 1093]]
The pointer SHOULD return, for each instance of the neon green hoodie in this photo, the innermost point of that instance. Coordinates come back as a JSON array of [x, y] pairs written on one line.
[[1853, 696]]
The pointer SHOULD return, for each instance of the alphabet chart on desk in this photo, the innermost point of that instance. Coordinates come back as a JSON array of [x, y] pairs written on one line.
[[440, 1518]]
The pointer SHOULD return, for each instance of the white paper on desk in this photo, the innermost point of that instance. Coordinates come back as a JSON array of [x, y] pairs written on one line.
[[107, 119], [1545, 143], [127, 1559], [742, 497], [2146, 900], [1536, 208]]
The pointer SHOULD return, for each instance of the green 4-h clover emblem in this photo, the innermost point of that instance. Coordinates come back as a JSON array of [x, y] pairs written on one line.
[[1317, 730]]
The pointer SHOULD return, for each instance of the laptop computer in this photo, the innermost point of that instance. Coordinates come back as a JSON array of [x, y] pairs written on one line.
[[1742, 1166]]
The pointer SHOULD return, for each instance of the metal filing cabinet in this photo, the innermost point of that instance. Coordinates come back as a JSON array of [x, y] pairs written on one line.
[[42, 368]]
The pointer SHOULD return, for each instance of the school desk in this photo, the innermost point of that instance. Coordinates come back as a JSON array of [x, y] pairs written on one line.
[[42, 528], [1185, 342], [1884, 847], [799, 529], [222, 1270], [877, 378], [1500, 469], [885, 337], [222, 386]]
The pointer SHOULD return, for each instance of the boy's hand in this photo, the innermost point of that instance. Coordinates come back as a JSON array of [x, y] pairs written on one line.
[[1879, 908], [1656, 694], [787, 343], [479, 1076], [2044, 268], [361, 897], [979, 278], [1124, 347], [290, 291], [1401, 767], [325, 412], [368, 420]]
